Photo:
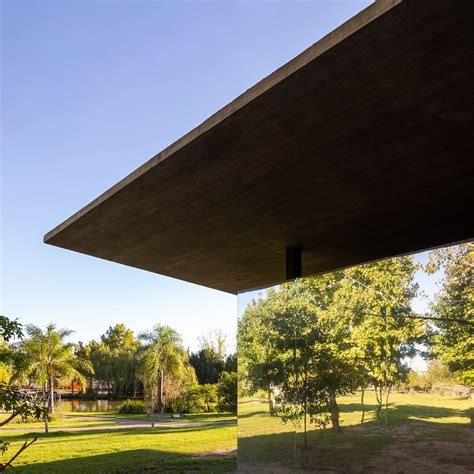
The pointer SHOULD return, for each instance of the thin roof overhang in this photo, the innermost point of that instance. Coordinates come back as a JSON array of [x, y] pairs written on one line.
[[360, 148]]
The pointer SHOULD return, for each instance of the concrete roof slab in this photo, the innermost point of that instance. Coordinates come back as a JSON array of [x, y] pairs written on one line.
[[359, 148]]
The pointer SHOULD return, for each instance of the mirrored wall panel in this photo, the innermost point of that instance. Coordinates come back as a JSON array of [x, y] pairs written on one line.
[[367, 369]]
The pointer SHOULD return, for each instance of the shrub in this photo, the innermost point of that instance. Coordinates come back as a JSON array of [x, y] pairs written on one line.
[[227, 392], [200, 399], [134, 407]]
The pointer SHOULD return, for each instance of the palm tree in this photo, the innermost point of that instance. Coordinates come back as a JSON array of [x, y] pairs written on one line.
[[163, 357], [52, 359]]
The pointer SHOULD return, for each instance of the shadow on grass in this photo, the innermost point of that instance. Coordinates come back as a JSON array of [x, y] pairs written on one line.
[[349, 451], [402, 413], [285, 451], [135, 461], [253, 413], [145, 431]]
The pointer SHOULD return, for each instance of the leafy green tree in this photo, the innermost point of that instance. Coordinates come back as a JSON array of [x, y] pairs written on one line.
[[260, 367], [231, 363], [164, 360], [120, 338], [227, 392], [101, 359], [116, 362], [123, 358], [320, 368], [453, 309], [315, 339], [295, 337], [294, 340], [12, 400], [378, 299], [210, 360], [52, 359], [9, 329]]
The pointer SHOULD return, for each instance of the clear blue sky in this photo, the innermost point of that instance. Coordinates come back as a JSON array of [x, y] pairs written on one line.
[[92, 89]]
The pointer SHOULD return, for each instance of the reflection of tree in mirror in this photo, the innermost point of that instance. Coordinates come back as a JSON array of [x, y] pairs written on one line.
[[312, 340], [453, 342]]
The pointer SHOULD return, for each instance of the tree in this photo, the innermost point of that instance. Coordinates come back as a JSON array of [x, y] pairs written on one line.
[[259, 365], [452, 341], [301, 392], [164, 360], [309, 326], [210, 360], [121, 349], [12, 399], [295, 341], [120, 338], [377, 298], [231, 363], [9, 329], [51, 359], [314, 339], [227, 392]]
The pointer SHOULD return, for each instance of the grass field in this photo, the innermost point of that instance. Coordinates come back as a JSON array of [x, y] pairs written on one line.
[[58, 421], [425, 433], [189, 418], [174, 449]]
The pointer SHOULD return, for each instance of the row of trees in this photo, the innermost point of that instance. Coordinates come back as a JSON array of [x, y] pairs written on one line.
[[311, 340], [154, 365]]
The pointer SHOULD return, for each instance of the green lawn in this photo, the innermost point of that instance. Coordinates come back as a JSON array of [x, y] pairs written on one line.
[[128, 450], [425, 433], [189, 418], [428, 429], [58, 421]]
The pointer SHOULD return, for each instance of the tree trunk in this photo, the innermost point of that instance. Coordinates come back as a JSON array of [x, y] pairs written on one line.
[[387, 394], [378, 397], [334, 410], [363, 405], [305, 431], [72, 388], [159, 401], [270, 402], [51, 394]]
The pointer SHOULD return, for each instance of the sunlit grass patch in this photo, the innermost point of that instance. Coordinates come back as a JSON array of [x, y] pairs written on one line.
[[125, 449]]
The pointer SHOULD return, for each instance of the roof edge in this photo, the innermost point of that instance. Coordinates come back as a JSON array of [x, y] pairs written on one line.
[[336, 36]]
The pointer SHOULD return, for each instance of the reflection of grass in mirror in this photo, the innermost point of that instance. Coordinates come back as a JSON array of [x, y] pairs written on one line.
[[413, 418]]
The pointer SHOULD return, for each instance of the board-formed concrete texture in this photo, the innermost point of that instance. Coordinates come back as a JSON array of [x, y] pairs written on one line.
[[359, 148]]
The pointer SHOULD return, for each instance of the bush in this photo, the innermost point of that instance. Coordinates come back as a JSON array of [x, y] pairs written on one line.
[[132, 407], [201, 399], [227, 392]]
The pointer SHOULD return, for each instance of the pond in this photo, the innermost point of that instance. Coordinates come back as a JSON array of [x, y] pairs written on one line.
[[88, 406]]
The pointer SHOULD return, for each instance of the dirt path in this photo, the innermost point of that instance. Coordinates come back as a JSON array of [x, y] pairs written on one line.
[[122, 423]]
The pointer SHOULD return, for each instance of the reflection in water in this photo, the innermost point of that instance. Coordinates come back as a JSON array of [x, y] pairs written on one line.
[[89, 406], [92, 406]]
